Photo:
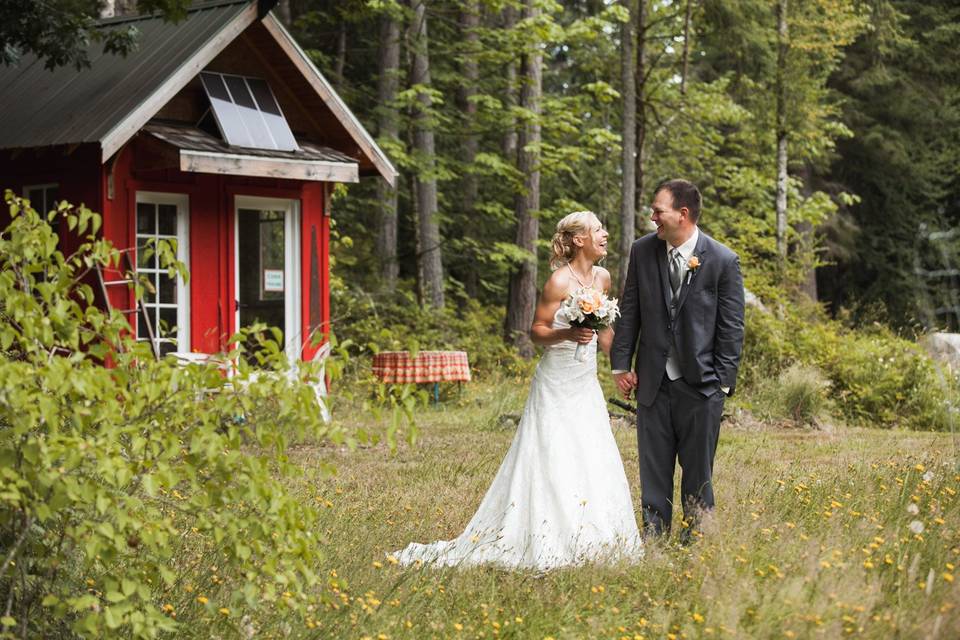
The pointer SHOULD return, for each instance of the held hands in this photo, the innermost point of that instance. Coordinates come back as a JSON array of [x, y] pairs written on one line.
[[581, 335], [626, 383]]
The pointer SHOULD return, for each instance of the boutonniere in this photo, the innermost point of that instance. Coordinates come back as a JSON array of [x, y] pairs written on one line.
[[692, 265]]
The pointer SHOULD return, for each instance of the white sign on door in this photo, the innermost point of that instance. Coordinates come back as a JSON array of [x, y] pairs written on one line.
[[273, 280]]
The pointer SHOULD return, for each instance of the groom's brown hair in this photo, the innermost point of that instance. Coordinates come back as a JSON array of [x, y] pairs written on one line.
[[685, 194]]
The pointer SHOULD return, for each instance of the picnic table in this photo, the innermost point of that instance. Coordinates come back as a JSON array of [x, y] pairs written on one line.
[[401, 367]]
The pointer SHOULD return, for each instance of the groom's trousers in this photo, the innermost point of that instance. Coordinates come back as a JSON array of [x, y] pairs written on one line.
[[681, 425]]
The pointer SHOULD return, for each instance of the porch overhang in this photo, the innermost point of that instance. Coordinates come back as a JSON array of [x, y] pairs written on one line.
[[193, 150], [235, 164]]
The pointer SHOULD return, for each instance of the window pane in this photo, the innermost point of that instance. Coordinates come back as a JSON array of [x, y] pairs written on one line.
[[167, 347], [145, 261], [51, 197], [150, 293], [168, 289], [168, 322], [142, 333], [167, 220], [145, 218]]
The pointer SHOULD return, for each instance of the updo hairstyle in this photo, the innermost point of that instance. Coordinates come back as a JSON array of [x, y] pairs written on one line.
[[573, 224]]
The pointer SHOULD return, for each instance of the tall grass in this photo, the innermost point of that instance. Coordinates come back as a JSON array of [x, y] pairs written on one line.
[[854, 533]]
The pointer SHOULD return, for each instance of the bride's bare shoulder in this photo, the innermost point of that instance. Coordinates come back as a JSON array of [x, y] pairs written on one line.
[[557, 284], [603, 278]]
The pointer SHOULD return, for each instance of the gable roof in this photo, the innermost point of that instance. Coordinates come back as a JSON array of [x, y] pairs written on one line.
[[109, 102]]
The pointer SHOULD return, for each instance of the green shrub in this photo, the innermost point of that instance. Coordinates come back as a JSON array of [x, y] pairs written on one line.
[[877, 378], [802, 393], [369, 324], [141, 496]]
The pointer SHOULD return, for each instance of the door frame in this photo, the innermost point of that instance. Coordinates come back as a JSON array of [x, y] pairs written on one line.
[[292, 328]]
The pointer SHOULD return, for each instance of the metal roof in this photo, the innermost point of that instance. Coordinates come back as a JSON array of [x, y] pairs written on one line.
[[39, 107], [194, 139]]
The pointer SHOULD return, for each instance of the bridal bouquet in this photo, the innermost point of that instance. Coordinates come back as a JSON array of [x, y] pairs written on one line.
[[590, 309]]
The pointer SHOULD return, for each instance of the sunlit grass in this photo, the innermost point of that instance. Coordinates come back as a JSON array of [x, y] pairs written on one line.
[[851, 532]]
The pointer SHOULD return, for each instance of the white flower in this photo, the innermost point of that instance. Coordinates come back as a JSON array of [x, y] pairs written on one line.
[[928, 476], [913, 509], [916, 526]]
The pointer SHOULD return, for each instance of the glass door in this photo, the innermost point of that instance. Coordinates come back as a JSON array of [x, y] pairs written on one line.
[[267, 278]]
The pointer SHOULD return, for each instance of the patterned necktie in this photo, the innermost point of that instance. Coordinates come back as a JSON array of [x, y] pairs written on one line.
[[675, 269]]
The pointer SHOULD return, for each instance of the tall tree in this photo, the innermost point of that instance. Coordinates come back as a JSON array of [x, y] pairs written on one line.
[[470, 70], [643, 75], [523, 281], [900, 80], [781, 126], [510, 71], [428, 226], [388, 128], [628, 186]]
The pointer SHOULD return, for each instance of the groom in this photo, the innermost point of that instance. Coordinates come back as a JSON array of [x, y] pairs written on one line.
[[683, 300]]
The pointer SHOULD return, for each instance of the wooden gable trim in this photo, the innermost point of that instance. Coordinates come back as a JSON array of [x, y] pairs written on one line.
[[235, 164], [331, 99], [132, 123]]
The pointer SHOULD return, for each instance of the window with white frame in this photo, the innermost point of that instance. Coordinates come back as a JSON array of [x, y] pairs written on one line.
[[42, 197], [163, 216]]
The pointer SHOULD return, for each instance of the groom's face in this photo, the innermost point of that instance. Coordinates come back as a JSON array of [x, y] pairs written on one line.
[[671, 223]]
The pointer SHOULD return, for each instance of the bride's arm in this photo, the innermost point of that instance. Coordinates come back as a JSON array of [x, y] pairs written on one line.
[[542, 331]]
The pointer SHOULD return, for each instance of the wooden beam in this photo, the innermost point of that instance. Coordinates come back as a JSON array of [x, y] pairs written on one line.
[[331, 99], [133, 122], [240, 165]]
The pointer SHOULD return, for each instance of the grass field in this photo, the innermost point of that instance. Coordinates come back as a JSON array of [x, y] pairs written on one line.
[[845, 532]]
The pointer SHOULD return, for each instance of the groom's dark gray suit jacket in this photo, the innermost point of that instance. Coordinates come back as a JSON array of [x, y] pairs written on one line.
[[707, 324]]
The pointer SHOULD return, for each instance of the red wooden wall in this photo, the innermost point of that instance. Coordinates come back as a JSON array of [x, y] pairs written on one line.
[[82, 179]]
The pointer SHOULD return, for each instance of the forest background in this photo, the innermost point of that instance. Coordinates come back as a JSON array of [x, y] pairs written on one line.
[[824, 136]]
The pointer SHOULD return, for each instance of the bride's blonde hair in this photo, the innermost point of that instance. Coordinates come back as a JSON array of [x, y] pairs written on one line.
[[572, 224]]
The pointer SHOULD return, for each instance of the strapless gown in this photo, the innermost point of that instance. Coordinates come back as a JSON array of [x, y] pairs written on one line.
[[561, 496]]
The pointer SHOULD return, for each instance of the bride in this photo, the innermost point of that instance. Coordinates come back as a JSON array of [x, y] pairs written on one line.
[[561, 495]]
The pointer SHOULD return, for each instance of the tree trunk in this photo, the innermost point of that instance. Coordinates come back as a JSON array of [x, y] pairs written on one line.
[[782, 128], [469, 23], [283, 12], [686, 48], [523, 282], [628, 210], [388, 129], [510, 99], [340, 62], [808, 239], [641, 74], [426, 187]]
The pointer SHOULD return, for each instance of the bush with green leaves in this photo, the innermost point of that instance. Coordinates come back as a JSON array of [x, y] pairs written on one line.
[[373, 323], [877, 378], [135, 493]]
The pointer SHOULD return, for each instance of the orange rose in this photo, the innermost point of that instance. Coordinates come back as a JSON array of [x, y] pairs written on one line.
[[693, 263], [587, 306]]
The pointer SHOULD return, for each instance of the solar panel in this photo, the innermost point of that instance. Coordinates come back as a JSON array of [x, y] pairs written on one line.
[[247, 113]]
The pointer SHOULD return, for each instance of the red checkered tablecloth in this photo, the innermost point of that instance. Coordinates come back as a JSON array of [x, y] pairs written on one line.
[[429, 366]]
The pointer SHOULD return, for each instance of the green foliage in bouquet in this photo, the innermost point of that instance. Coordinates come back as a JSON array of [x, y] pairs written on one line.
[[137, 494]]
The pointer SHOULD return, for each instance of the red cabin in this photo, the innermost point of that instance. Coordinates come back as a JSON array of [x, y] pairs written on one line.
[[219, 132]]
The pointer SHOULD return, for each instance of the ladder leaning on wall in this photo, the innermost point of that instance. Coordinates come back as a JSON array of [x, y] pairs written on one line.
[[128, 278]]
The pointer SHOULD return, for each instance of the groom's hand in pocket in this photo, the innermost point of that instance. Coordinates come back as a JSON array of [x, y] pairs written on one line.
[[626, 383]]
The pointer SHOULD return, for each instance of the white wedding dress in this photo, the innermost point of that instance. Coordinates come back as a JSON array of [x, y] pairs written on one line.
[[561, 495]]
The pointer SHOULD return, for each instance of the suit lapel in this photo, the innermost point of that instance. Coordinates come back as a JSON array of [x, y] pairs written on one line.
[[661, 257], [698, 251]]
